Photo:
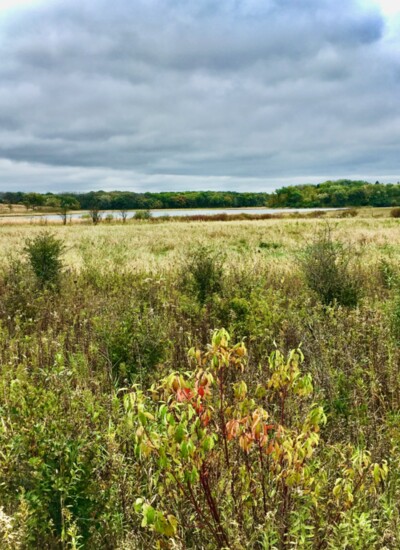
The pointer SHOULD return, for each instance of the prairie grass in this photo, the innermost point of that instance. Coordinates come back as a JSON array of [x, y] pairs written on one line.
[[140, 245]]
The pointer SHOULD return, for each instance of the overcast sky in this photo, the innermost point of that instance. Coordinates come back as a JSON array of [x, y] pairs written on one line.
[[201, 94]]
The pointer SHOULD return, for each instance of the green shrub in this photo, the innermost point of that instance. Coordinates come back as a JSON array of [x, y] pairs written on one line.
[[326, 267], [44, 255], [142, 215], [52, 444], [136, 343], [240, 463], [203, 272]]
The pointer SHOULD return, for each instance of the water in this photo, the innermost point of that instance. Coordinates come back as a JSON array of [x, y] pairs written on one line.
[[178, 213]]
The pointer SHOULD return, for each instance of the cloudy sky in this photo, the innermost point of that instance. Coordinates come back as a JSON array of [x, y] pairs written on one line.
[[201, 94]]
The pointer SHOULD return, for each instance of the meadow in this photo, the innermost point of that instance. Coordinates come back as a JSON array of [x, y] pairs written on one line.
[[201, 385]]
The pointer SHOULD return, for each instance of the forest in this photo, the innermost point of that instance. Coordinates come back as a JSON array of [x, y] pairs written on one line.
[[330, 194]]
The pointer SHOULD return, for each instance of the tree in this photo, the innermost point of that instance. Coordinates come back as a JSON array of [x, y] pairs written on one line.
[[63, 204], [94, 212], [33, 200], [67, 204]]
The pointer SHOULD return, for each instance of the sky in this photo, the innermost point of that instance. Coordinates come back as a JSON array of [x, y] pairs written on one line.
[[153, 95]]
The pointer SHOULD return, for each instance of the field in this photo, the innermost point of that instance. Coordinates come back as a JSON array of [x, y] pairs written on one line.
[[279, 429]]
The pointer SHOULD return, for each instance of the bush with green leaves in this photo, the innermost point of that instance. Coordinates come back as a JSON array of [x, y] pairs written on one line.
[[54, 453], [326, 265], [203, 272], [142, 215], [135, 343], [44, 254], [240, 463]]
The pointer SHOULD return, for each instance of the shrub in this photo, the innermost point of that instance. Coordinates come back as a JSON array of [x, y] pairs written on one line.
[[54, 429], [203, 272], [142, 215], [136, 343], [241, 464], [44, 255], [395, 212], [326, 267]]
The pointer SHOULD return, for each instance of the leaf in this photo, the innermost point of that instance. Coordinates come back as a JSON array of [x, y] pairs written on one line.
[[179, 433], [184, 449], [162, 411], [260, 392], [376, 474], [208, 443], [149, 515], [184, 394], [240, 390], [138, 506], [165, 525], [232, 429]]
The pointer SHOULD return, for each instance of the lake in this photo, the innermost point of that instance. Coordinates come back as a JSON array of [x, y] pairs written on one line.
[[180, 212]]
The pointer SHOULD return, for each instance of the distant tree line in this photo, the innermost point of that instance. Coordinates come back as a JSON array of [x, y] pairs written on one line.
[[334, 194], [127, 200]]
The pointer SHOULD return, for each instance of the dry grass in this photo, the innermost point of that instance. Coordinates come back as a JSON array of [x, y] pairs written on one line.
[[153, 246]]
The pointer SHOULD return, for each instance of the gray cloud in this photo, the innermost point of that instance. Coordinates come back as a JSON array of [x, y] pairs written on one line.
[[179, 95]]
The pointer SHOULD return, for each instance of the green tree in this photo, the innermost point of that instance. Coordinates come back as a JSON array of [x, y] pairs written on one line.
[[63, 205], [33, 200], [67, 204]]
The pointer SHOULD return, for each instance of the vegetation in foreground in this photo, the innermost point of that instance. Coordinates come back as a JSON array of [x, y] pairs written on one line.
[[200, 385]]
